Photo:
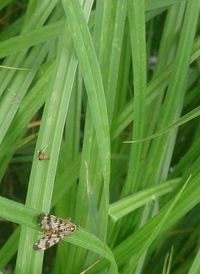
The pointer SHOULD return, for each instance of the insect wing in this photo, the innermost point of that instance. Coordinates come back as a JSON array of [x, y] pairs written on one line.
[[48, 222], [46, 242]]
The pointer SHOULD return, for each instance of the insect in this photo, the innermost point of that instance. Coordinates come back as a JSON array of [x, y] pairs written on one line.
[[54, 230], [42, 155]]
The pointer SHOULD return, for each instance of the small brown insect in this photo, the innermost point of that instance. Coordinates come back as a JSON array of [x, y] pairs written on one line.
[[54, 230], [42, 155]]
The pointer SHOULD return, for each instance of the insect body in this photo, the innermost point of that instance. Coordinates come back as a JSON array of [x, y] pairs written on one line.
[[42, 155], [54, 230]]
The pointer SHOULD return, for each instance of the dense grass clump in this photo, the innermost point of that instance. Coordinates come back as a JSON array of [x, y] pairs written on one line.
[[97, 108]]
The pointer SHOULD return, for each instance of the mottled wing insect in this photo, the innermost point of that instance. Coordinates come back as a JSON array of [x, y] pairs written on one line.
[[54, 230]]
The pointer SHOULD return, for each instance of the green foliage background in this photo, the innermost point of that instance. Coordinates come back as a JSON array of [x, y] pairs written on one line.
[[108, 90]]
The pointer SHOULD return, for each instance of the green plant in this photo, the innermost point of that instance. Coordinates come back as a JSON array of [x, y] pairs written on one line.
[[116, 135]]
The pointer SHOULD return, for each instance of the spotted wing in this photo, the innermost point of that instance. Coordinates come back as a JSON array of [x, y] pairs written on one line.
[[48, 222], [46, 242]]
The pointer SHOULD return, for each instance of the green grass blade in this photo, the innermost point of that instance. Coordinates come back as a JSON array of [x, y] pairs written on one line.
[[184, 119], [9, 248], [18, 90], [157, 4], [133, 243], [29, 39], [126, 205], [130, 268], [194, 269], [136, 13], [39, 194], [92, 243], [92, 77]]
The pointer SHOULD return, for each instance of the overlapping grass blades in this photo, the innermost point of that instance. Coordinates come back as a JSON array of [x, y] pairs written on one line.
[[119, 132]]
